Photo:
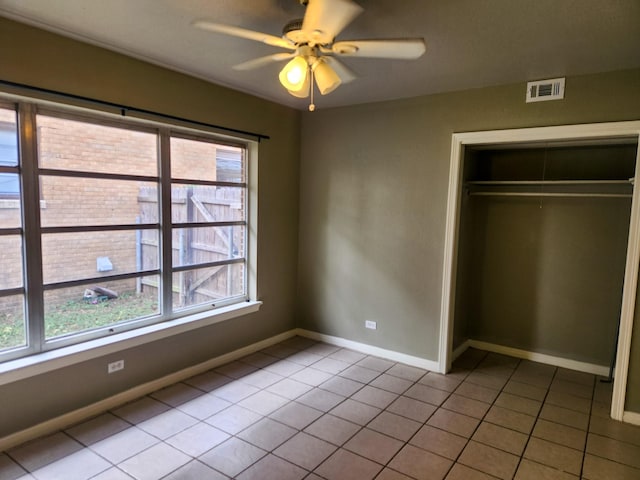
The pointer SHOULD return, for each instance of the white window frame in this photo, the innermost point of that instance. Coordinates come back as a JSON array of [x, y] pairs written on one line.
[[44, 356]]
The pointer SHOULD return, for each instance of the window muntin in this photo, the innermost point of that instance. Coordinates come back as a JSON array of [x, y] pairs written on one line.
[[99, 230]]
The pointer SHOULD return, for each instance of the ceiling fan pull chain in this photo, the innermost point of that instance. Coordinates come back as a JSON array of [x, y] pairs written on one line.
[[312, 107]]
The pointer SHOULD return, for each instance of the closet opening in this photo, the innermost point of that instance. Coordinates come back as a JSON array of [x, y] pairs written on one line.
[[542, 251]]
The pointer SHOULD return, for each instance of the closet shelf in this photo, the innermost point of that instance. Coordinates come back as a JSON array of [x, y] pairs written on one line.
[[549, 182]]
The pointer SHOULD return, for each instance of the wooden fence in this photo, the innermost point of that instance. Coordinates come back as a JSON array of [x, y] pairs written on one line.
[[194, 246]]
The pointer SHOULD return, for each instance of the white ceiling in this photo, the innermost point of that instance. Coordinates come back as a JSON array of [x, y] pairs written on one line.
[[470, 43]]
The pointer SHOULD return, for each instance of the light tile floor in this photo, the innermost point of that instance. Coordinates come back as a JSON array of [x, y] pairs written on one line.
[[302, 409]]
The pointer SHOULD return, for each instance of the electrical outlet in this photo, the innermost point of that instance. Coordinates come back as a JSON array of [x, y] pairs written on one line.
[[115, 366], [371, 324]]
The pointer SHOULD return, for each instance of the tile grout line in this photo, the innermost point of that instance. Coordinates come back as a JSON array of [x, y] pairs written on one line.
[[455, 461], [407, 442], [586, 438], [362, 427], [323, 412], [537, 417], [483, 417]]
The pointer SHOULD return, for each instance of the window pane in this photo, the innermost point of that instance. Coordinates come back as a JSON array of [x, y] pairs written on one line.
[[78, 309], [12, 326], [81, 255], [9, 185], [200, 160], [69, 201], [10, 262], [203, 203], [193, 159], [75, 145], [10, 210], [192, 246], [8, 138], [230, 164], [208, 285], [9, 182]]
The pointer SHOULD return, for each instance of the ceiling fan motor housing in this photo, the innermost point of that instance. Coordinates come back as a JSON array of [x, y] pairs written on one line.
[[293, 32]]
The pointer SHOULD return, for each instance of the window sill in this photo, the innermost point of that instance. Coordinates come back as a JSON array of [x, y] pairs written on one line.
[[40, 363]]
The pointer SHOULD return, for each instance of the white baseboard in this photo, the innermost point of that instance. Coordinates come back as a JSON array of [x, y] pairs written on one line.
[[71, 418], [541, 358], [631, 417], [460, 350], [372, 350]]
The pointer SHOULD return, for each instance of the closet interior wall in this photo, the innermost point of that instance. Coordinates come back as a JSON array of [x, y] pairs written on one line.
[[542, 245]]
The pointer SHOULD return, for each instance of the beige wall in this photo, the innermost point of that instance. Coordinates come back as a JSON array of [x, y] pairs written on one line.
[[34, 57], [373, 185]]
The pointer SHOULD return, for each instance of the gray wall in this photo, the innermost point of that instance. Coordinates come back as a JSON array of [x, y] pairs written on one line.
[[373, 182], [34, 57]]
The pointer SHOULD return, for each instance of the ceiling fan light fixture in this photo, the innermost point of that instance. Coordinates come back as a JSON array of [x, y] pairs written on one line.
[[302, 93], [326, 78], [295, 75]]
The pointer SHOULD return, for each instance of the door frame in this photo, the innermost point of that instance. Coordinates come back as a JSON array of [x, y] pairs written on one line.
[[569, 133]]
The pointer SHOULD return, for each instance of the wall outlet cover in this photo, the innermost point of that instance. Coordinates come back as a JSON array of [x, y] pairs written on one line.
[[115, 366]]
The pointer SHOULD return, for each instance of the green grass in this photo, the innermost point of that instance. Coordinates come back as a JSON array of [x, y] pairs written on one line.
[[76, 316], [11, 330]]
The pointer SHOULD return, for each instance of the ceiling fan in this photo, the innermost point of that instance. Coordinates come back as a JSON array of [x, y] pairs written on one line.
[[312, 47]]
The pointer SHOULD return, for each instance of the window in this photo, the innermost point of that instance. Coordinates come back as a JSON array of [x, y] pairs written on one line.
[[208, 223], [127, 225], [12, 291]]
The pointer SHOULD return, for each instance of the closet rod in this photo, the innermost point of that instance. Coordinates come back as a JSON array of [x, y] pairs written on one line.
[[551, 194]]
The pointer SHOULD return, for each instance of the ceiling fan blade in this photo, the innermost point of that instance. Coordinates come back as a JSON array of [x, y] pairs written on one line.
[[405, 49], [244, 33], [262, 61], [325, 19], [345, 73]]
